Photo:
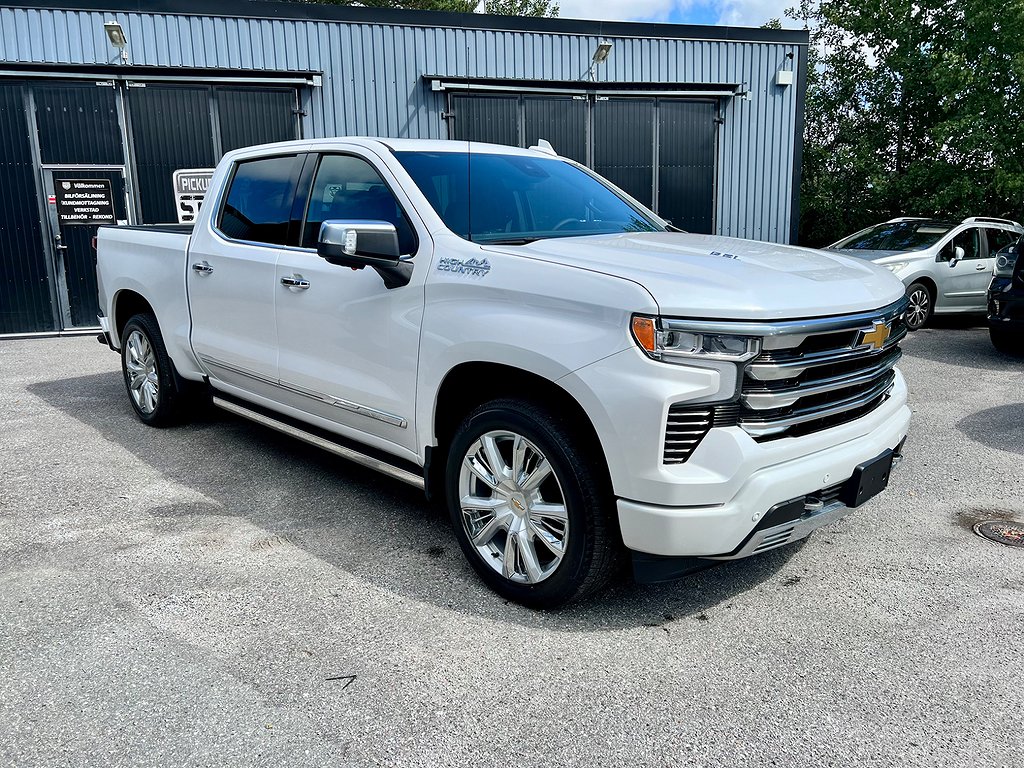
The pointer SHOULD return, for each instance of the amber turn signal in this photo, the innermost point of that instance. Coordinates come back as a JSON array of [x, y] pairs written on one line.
[[644, 333]]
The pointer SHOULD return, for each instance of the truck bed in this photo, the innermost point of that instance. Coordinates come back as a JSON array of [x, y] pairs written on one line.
[[149, 261], [178, 229]]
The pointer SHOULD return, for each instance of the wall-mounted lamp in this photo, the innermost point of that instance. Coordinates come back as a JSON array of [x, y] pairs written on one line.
[[604, 48], [785, 76], [117, 38]]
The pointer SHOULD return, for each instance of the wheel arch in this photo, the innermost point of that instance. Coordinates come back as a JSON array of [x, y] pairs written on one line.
[[126, 304], [928, 282], [470, 384]]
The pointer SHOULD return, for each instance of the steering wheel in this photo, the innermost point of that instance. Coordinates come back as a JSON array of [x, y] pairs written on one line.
[[564, 222]]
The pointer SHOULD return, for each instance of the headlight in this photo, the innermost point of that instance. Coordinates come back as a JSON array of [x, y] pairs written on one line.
[[672, 342], [896, 266], [1005, 261]]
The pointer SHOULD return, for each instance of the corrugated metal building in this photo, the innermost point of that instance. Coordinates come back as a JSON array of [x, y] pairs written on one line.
[[701, 123]]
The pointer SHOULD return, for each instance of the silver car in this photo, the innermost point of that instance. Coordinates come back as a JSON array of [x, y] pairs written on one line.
[[946, 266]]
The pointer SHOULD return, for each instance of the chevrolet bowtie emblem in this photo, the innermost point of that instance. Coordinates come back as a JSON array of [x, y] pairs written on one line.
[[876, 337]]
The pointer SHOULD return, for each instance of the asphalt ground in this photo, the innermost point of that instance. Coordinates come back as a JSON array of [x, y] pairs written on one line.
[[218, 595]]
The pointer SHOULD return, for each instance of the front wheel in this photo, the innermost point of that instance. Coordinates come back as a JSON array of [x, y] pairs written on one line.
[[919, 309], [529, 505]]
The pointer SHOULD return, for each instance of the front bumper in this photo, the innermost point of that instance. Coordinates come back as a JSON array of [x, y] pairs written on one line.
[[1005, 305], [741, 525]]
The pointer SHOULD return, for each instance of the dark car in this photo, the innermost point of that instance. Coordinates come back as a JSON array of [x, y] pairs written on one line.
[[1006, 300]]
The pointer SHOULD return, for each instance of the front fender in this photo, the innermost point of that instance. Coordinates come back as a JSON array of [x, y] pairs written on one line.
[[543, 318]]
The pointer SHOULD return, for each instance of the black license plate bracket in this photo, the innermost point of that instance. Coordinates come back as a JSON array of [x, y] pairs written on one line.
[[869, 479]]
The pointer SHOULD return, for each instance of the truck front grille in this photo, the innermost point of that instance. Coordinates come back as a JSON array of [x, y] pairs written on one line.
[[803, 381]]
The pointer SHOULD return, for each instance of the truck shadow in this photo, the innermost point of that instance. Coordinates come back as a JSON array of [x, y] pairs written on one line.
[[370, 526], [1001, 427]]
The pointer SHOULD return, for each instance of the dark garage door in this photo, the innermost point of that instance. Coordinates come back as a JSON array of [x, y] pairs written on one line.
[[659, 150], [134, 134], [25, 299], [176, 127]]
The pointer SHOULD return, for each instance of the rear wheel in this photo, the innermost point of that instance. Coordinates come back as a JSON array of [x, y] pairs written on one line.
[[153, 387], [530, 510], [919, 310]]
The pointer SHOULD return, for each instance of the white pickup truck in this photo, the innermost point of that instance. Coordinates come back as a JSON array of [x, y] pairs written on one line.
[[581, 383]]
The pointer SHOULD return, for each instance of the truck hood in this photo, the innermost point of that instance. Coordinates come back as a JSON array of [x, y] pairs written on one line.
[[707, 276]]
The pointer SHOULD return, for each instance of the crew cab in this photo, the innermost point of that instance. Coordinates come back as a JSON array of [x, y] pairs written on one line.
[[582, 384]]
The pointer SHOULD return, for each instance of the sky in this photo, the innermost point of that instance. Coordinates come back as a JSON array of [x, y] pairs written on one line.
[[741, 13]]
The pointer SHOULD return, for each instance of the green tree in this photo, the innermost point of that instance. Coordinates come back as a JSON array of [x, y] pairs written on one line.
[[521, 7], [913, 108]]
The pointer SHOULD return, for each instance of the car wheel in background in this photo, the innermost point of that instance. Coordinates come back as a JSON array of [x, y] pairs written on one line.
[[529, 505], [919, 310], [1006, 341]]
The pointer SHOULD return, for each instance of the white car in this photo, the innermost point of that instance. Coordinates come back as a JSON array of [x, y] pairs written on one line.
[[508, 331], [946, 266]]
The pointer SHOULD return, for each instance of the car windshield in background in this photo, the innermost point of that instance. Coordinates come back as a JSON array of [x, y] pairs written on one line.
[[897, 236], [517, 199]]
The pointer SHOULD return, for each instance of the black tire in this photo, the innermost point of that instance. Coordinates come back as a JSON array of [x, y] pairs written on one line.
[[592, 549], [1006, 341], [922, 305], [169, 389]]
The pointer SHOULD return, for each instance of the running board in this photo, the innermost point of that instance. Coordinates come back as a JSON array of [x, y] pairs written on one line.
[[320, 442]]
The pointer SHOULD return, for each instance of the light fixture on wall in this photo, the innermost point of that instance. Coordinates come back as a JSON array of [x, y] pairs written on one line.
[[117, 38], [604, 48]]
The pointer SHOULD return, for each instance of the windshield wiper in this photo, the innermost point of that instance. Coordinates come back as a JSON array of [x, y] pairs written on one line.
[[511, 241]]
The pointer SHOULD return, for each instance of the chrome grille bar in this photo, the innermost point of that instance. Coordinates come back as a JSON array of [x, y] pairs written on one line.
[[769, 367], [781, 397], [762, 427]]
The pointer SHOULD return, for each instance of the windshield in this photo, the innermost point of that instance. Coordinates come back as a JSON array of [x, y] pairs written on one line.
[[897, 236], [490, 198]]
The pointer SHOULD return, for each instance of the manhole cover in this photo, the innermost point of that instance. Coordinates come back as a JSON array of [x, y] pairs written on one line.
[[1002, 531]]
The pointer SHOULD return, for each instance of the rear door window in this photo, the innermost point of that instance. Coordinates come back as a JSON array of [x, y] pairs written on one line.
[[259, 201]]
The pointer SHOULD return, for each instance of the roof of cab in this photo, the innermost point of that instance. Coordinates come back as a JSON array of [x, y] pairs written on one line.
[[400, 145]]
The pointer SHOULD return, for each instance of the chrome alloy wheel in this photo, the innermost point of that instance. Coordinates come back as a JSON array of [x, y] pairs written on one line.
[[513, 509], [918, 308], [140, 366]]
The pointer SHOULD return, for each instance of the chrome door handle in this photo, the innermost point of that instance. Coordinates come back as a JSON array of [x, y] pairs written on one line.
[[295, 282], [981, 268], [202, 267]]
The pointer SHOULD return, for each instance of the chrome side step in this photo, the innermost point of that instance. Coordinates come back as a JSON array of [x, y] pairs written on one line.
[[320, 442]]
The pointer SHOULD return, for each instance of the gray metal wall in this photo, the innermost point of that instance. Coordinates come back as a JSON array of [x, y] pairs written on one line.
[[372, 79]]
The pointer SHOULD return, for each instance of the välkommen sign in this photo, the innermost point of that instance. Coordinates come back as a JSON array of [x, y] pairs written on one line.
[[84, 201]]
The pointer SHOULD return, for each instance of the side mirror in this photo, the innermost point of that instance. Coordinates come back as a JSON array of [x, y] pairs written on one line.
[[958, 256], [359, 244]]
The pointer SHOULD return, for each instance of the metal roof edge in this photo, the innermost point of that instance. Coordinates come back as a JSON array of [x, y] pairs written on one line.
[[300, 11]]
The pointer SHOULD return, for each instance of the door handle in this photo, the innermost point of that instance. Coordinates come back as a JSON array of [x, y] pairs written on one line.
[[981, 268], [295, 281], [202, 267]]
